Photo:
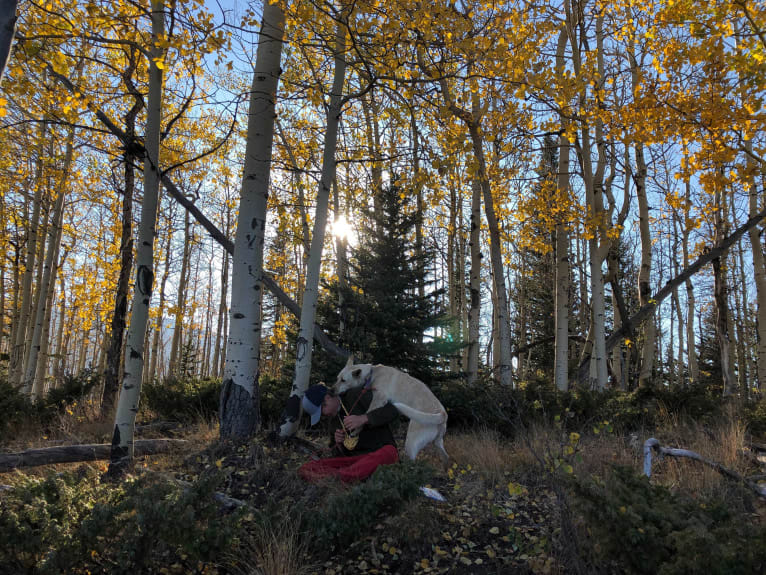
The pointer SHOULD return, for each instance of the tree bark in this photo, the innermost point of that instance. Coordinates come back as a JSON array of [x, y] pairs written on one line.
[[561, 297], [691, 349], [119, 315], [759, 271], [240, 403], [32, 387], [76, 453], [721, 298], [304, 348], [180, 308], [122, 452], [7, 32], [561, 246], [220, 334], [18, 343], [474, 284]]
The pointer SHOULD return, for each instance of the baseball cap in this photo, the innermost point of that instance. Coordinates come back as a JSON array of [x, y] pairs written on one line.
[[312, 401]]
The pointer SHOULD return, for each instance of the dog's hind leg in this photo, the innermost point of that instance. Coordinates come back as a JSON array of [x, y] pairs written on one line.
[[418, 436]]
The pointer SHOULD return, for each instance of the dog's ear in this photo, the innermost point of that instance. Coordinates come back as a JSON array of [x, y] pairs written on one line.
[[357, 372], [350, 360]]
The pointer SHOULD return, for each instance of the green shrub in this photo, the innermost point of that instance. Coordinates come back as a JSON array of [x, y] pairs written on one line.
[[274, 395], [74, 388], [345, 515], [40, 515], [183, 399], [755, 417], [73, 523], [643, 528], [14, 408]]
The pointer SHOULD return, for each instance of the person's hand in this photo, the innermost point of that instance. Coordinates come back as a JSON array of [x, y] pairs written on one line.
[[354, 422], [340, 435]]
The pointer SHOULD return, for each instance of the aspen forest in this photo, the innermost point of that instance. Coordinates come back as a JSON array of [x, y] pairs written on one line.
[[549, 212]]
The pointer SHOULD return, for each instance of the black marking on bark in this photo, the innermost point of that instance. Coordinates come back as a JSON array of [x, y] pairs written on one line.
[[134, 354], [292, 409], [145, 277], [239, 315], [301, 346]]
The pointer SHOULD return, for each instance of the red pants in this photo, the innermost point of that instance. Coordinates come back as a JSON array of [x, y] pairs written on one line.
[[351, 468]]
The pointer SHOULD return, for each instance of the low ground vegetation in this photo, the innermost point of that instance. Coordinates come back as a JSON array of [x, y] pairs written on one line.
[[539, 482]]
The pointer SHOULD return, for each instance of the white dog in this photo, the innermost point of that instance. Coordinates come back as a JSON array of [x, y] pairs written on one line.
[[428, 418]]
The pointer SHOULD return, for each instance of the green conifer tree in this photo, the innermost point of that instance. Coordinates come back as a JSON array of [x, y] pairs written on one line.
[[387, 321]]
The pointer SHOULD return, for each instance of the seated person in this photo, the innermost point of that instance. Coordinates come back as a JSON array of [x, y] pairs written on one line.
[[348, 415]]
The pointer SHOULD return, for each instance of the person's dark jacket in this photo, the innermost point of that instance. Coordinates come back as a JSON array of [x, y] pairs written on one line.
[[376, 433]]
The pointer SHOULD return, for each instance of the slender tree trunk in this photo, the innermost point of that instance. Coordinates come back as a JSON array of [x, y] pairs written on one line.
[[644, 274], [341, 244], [371, 117], [304, 347], [19, 344], [58, 369], [2, 304], [208, 329], [691, 339], [496, 258], [157, 343], [16, 291], [561, 296], [759, 272], [127, 407], [594, 189], [453, 283], [677, 306], [474, 287], [31, 386], [180, 310], [222, 308], [44, 356], [7, 32], [721, 296], [419, 241], [115, 349], [240, 402], [741, 305]]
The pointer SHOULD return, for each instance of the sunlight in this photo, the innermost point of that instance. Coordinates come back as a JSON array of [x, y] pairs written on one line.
[[342, 229]]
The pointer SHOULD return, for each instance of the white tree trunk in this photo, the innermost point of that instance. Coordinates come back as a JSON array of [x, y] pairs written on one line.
[[504, 364], [561, 297], [594, 180], [180, 308], [239, 404], [759, 272], [31, 386], [304, 344], [18, 342], [691, 339], [130, 393], [644, 272], [474, 284]]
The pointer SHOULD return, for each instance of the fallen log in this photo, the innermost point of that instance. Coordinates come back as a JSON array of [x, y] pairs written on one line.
[[653, 444], [75, 453]]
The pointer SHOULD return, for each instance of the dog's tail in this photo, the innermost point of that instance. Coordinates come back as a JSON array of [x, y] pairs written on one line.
[[421, 416]]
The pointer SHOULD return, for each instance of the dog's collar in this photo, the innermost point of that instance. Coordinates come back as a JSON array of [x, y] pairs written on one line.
[[368, 381]]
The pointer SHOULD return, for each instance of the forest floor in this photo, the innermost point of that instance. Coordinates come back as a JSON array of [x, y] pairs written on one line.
[[502, 510]]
